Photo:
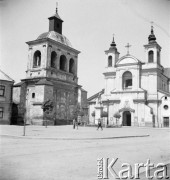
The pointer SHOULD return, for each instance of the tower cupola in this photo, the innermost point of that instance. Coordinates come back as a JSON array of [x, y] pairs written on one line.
[[112, 55], [55, 22], [152, 49]]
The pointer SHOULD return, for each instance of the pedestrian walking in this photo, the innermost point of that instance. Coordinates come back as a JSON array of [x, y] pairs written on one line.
[[74, 123], [99, 125], [77, 123]]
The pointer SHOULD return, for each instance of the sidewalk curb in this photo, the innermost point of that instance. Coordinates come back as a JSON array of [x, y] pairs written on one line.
[[53, 138]]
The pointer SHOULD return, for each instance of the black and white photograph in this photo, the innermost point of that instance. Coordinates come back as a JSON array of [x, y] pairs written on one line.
[[84, 89]]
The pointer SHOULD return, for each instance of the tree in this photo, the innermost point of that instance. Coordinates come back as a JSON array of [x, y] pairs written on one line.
[[47, 107], [117, 116], [104, 114], [93, 113]]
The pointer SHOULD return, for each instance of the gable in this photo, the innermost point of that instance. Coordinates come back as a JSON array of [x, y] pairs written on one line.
[[128, 59]]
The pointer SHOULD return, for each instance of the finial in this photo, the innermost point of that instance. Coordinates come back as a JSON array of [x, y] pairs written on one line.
[[128, 46], [152, 27], [56, 7]]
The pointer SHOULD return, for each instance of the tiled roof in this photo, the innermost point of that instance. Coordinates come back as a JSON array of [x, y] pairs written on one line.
[[5, 77]]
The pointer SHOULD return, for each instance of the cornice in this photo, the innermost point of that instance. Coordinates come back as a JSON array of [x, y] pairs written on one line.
[[127, 91], [129, 64], [139, 100], [109, 73], [154, 101], [45, 40]]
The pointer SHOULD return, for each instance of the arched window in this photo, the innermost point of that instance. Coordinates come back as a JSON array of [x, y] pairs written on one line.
[[71, 66], [37, 59], [110, 61], [127, 80], [63, 63], [150, 56], [53, 59]]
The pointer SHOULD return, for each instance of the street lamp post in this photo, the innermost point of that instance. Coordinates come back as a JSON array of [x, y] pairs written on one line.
[[107, 112]]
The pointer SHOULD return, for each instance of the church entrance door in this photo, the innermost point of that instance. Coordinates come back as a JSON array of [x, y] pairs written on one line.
[[166, 121], [126, 118]]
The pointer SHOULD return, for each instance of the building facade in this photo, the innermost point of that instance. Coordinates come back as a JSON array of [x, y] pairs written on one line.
[[139, 91], [51, 75], [6, 84]]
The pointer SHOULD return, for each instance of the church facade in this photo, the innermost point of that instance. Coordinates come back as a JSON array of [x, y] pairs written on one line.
[[136, 93], [51, 75]]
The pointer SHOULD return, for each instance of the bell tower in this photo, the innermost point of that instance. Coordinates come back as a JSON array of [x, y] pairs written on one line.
[[112, 55], [51, 75], [152, 49]]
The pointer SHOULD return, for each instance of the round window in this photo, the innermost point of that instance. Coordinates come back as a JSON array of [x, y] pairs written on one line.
[[165, 107]]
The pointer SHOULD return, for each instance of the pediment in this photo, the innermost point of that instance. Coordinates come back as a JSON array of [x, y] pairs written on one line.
[[128, 59]]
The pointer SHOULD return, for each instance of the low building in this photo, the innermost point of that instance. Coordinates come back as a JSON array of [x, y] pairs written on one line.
[[6, 84]]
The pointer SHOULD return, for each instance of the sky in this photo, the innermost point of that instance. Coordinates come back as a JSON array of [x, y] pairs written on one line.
[[89, 25]]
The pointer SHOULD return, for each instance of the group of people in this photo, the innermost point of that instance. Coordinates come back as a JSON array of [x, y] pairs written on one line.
[[76, 123]]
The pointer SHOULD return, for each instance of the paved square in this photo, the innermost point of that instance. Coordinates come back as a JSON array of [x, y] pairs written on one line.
[[59, 152]]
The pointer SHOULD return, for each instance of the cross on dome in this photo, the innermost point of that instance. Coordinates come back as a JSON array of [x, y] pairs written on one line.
[[128, 46]]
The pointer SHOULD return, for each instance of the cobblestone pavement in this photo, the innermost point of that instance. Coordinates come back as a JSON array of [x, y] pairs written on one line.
[[61, 153]]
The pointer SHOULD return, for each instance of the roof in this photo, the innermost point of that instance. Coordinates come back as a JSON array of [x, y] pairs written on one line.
[[56, 37], [83, 90], [56, 16], [5, 77], [18, 84], [167, 72], [95, 95], [44, 82]]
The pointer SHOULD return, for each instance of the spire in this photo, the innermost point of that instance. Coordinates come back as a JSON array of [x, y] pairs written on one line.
[[152, 38], [55, 22], [113, 44]]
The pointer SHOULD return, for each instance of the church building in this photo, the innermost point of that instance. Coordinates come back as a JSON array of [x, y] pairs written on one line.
[[51, 75], [136, 93]]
